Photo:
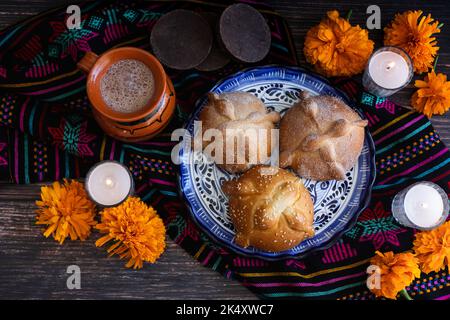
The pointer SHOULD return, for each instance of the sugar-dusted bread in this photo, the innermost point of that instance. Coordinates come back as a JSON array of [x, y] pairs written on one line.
[[245, 114], [270, 209], [321, 138]]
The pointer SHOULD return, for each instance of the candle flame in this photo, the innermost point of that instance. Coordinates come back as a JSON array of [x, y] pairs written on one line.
[[390, 65], [109, 182], [424, 205]]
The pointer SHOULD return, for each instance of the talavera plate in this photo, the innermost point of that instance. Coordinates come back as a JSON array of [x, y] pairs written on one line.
[[337, 204]]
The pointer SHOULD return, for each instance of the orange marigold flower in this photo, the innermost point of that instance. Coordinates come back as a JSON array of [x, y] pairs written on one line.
[[432, 248], [336, 48], [396, 272], [415, 37], [137, 231], [66, 210], [432, 95]]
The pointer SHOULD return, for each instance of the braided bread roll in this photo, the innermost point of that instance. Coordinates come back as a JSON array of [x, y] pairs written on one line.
[[241, 112], [270, 209], [321, 138]]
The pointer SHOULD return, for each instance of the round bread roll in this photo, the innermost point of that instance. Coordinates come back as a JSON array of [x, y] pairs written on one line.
[[270, 209], [321, 138], [246, 128]]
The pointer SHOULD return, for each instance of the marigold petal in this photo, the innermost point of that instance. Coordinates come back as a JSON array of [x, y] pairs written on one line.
[[336, 48], [414, 35], [396, 270], [432, 248], [137, 230], [432, 95], [66, 210]]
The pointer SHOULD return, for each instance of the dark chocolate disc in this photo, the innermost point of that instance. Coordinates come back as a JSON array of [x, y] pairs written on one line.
[[217, 58], [181, 39], [244, 33]]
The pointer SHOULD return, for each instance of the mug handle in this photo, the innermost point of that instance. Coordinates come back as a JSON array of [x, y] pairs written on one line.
[[87, 62]]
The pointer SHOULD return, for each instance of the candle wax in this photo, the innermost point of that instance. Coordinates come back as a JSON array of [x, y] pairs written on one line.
[[389, 70], [109, 183], [423, 206]]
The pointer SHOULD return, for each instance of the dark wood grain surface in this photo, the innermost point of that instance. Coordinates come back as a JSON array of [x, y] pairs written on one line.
[[32, 267]]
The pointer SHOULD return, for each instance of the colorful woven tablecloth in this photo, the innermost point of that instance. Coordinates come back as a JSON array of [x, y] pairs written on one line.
[[47, 133]]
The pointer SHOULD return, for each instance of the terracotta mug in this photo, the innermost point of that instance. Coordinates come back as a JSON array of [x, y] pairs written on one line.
[[136, 126]]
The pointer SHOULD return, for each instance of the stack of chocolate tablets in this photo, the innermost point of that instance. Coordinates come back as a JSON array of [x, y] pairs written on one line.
[[183, 39]]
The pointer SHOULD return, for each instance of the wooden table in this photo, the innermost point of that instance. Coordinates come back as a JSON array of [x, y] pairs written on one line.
[[32, 267]]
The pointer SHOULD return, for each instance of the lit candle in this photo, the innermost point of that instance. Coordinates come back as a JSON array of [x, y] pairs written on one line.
[[389, 69], [423, 205], [109, 183]]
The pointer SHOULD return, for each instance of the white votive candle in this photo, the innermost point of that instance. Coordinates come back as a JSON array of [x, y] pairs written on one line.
[[423, 205], [389, 69], [109, 183]]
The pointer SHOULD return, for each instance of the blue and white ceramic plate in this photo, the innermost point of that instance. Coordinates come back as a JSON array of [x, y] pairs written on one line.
[[337, 204]]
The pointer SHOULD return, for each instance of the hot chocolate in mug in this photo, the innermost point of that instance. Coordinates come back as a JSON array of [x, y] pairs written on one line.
[[110, 107]]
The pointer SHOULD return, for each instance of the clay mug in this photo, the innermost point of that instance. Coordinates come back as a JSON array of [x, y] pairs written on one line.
[[136, 126]]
